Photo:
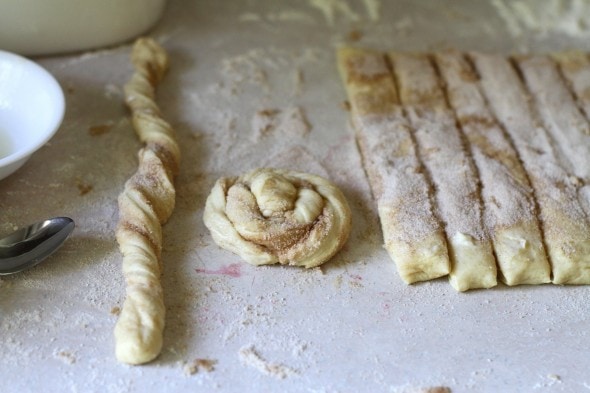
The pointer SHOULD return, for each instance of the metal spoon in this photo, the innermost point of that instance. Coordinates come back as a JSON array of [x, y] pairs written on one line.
[[28, 246]]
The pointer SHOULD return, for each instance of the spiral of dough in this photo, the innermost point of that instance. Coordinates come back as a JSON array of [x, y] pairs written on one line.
[[277, 216], [145, 205]]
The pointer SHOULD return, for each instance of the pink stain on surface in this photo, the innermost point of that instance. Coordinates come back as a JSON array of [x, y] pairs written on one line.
[[232, 270]]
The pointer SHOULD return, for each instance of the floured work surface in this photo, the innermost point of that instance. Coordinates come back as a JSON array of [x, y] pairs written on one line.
[[254, 84], [501, 147]]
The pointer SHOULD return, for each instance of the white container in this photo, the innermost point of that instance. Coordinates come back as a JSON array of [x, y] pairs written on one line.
[[32, 107], [35, 27]]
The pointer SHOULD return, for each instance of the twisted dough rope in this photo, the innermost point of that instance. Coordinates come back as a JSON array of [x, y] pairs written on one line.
[[270, 215], [145, 204]]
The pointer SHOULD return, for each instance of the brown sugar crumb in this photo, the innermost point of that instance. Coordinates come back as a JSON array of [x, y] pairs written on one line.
[[433, 389], [116, 310], [265, 121], [69, 87], [197, 365], [83, 188], [437, 389], [354, 35], [65, 356], [100, 129]]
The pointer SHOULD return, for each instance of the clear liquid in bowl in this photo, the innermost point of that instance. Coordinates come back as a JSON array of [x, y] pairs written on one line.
[[6, 144]]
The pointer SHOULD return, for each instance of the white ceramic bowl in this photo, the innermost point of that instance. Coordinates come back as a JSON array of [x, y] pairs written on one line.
[[32, 107], [34, 27]]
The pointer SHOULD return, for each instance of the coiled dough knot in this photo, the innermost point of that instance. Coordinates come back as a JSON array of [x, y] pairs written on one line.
[[277, 216]]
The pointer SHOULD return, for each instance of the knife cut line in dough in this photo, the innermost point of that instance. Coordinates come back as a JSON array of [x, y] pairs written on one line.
[[559, 111], [510, 211], [566, 124], [145, 204], [413, 235], [575, 68], [565, 226], [441, 149], [269, 216], [562, 118]]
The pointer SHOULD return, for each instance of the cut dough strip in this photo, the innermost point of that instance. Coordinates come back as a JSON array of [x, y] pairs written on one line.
[[451, 170], [559, 112], [508, 197], [413, 236], [144, 205], [575, 67], [564, 223], [561, 117]]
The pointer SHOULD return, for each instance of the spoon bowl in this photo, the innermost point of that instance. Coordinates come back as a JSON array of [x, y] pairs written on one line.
[[28, 246]]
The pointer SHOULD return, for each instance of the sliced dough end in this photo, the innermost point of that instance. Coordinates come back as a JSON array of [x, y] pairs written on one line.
[[473, 263], [568, 246], [521, 256], [571, 262], [420, 261]]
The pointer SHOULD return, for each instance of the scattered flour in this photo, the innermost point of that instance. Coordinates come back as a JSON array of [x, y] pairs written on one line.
[[113, 92], [404, 25], [250, 357], [290, 122], [547, 381], [279, 16], [570, 17], [249, 17], [373, 9], [65, 356], [193, 367], [329, 8]]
